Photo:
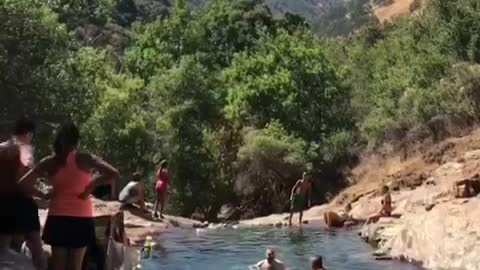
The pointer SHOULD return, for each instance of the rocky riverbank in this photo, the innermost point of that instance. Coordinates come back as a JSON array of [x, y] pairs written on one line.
[[433, 192], [437, 228], [138, 223]]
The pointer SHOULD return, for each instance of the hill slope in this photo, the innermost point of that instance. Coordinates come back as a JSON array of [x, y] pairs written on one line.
[[395, 9], [332, 17]]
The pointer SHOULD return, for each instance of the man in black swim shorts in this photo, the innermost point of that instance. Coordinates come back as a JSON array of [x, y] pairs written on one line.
[[18, 210]]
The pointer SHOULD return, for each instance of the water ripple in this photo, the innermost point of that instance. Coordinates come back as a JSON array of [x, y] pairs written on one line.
[[240, 249]]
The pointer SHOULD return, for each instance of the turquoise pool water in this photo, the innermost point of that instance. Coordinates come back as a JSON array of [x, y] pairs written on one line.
[[238, 249]]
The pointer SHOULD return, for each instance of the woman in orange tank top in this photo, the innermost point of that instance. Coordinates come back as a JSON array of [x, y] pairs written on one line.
[[70, 226]]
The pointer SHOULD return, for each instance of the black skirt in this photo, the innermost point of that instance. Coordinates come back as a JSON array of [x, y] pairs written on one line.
[[69, 232], [18, 215]]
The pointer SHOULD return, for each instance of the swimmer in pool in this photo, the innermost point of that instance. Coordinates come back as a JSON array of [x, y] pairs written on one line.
[[317, 263], [270, 262]]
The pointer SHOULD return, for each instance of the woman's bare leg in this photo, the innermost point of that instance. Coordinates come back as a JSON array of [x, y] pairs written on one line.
[[76, 256], [155, 209], [59, 258], [162, 199]]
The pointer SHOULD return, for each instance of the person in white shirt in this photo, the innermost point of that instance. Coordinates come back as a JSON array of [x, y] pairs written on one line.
[[133, 192]]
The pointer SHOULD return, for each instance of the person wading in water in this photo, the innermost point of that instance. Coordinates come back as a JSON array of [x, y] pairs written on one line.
[[70, 225], [300, 196]]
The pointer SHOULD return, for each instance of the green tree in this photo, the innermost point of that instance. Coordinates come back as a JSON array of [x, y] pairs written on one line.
[[269, 162], [287, 79], [185, 106], [39, 68]]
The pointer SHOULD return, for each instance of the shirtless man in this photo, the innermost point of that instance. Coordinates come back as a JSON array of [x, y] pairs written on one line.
[[19, 211], [301, 192], [270, 262]]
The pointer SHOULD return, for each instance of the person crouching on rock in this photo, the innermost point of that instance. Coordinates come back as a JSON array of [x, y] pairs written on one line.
[[300, 195], [70, 225], [317, 263], [339, 219], [387, 208], [161, 188], [270, 262], [133, 192]]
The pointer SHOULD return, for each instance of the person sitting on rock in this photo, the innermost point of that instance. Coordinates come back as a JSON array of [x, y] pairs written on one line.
[[133, 192], [270, 262], [387, 208], [340, 218], [317, 263]]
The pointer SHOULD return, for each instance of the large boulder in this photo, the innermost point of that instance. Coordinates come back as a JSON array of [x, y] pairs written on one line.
[[445, 237], [436, 228]]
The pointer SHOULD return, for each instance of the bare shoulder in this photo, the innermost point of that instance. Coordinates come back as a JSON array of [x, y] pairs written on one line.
[[279, 264]]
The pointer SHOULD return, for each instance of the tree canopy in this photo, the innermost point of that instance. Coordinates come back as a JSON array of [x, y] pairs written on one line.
[[238, 99]]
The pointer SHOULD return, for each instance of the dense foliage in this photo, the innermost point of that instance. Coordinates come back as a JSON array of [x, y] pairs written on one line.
[[238, 100]]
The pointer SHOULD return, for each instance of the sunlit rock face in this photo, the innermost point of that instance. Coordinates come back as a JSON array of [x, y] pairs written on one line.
[[436, 228]]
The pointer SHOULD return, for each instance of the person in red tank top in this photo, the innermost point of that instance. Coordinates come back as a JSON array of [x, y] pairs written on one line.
[[70, 225], [161, 188]]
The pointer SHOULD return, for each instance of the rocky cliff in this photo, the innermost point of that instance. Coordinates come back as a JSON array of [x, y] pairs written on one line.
[[434, 193], [437, 228]]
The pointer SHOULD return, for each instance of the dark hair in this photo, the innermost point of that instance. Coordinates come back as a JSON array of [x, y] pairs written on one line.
[[163, 164], [136, 176], [67, 138], [385, 188], [23, 126], [317, 262]]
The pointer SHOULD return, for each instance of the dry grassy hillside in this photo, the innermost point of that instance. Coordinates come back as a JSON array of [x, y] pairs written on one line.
[[395, 9]]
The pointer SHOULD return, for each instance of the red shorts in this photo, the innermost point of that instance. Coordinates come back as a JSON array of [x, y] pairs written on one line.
[[161, 186]]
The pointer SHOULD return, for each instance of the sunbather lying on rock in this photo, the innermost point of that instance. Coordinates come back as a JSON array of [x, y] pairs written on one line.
[[340, 218], [387, 208]]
